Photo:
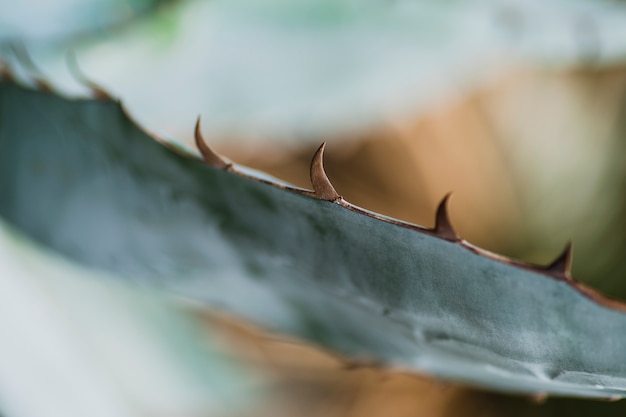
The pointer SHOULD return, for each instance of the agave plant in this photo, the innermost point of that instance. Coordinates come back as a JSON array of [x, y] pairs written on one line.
[[93, 207], [81, 179]]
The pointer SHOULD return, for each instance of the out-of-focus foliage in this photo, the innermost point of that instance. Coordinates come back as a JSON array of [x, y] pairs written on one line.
[[278, 69], [75, 343], [55, 21]]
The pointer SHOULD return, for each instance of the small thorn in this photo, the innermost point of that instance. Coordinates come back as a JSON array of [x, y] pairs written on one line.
[[562, 265], [97, 92], [43, 85], [443, 227], [6, 74], [322, 187], [208, 155], [5, 71]]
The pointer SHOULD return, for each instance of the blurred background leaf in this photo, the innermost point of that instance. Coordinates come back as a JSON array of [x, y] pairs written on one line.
[[273, 69], [76, 343], [53, 22]]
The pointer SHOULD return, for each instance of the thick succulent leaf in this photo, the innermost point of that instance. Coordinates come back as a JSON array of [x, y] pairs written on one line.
[[79, 177], [284, 69], [75, 343]]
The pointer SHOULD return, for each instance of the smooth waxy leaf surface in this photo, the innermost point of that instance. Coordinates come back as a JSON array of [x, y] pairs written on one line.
[[79, 177]]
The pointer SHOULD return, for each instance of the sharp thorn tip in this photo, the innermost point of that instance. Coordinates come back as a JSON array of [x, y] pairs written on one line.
[[208, 155], [562, 265], [322, 187], [443, 226]]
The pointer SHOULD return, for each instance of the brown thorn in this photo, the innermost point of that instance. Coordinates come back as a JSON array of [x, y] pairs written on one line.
[[97, 92], [561, 267], [322, 188], [443, 227], [43, 85], [208, 155], [6, 74]]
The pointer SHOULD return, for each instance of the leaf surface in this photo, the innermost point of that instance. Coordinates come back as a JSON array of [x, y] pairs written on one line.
[[81, 178]]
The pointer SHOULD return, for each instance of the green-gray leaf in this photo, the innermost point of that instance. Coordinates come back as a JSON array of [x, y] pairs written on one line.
[[80, 178]]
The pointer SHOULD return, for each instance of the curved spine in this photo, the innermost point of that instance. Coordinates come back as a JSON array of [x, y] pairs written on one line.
[[443, 226], [322, 187], [209, 156]]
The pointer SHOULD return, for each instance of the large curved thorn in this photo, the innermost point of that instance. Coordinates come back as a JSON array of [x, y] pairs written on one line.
[[208, 155], [322, 188], [443, 227], [561, 267]]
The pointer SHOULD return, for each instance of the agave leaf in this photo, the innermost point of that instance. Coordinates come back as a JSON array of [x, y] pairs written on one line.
[[81, 178]]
